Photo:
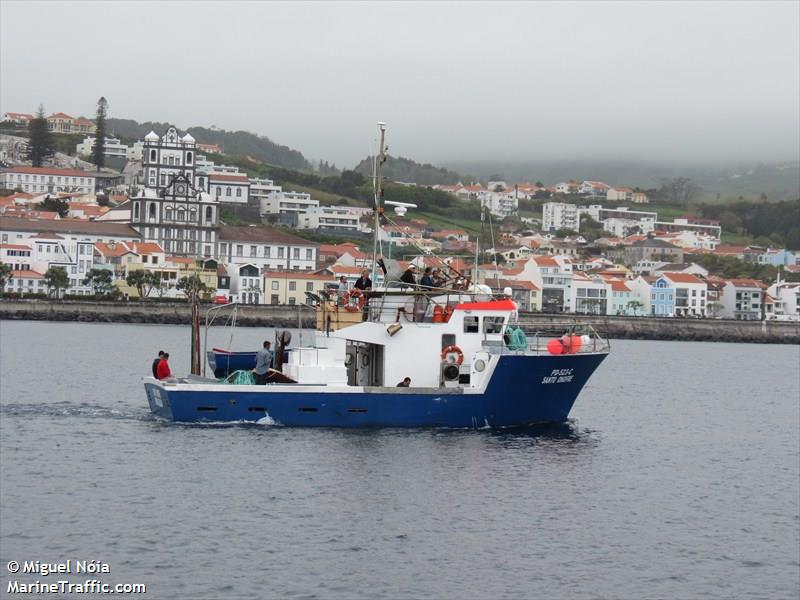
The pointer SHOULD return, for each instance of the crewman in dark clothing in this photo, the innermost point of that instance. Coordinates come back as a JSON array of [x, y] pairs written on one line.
[[405, 383], [363, 283], [408, 276], [427, 280], [155, 363]]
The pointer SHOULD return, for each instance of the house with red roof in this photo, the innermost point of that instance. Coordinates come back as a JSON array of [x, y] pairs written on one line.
[[19, 118], [526, 294], [17, 256], [619, 194], [47, 180], [690, 294], [232, 188], [25, 281]]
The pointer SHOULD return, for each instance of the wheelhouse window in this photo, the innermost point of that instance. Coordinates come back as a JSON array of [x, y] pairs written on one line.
[[493, 325], [471, 325]]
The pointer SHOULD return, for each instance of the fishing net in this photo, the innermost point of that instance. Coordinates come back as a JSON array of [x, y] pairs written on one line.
[[240, 378], [516, 339]]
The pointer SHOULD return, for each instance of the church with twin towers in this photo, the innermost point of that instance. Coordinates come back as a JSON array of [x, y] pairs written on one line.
[[171, 206]]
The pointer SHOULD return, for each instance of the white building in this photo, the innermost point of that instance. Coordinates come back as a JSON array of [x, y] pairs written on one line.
[[260, 189], [266, 248], [19, 118], [338, 218], [644, 220], [690, 294], [560, 215], [166, 157], [595, 189], [113, 148], [619, 194], [171, 211], [787, 300], [501, 204], [742, 299], [47, 180], [281, 203], [682, 224], [16, 256], [589, 295], [64, 243], [229, 188]]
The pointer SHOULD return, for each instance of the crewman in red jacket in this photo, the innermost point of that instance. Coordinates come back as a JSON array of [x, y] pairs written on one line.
[[162, 371]]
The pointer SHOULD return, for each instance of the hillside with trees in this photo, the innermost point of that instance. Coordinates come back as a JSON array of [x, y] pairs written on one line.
[[232, 142], [409, 171]]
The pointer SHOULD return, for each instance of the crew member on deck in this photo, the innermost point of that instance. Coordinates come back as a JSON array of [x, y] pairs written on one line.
[[363, 283], [405, 383], [263, 364], [408, 276], [155, 363], [163, 371], [427, 280], [342, 290]]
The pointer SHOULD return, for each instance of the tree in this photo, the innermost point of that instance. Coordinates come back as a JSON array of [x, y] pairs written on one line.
[[137, 279], [565, 232], [51, 204], [191, 285], [678, 190], [5, 275], [153, 281], [40, 140], [635, 306], [56, 279], [98, 152], [100, 280], [590, 228]]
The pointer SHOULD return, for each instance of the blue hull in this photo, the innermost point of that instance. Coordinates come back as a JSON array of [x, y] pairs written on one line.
[[523, 390]]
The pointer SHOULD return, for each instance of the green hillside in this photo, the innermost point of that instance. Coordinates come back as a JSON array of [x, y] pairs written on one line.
[[409, 171], [232, 142]]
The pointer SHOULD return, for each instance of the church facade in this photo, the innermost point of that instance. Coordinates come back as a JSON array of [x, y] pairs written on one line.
[[171, 209]]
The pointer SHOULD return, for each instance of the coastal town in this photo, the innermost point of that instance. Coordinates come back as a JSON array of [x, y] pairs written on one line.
[[162, 221]]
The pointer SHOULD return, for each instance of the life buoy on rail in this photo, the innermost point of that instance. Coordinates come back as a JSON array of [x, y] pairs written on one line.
[[453, 349], [359, 297]]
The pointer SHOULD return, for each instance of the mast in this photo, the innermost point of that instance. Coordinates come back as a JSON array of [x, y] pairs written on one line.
[[378, 189], [478, 244]]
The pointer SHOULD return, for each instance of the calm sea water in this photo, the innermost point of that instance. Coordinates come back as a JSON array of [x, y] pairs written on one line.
[[679, 477]]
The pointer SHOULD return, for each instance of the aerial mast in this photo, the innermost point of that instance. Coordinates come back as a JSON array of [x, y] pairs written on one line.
[[378, 189]]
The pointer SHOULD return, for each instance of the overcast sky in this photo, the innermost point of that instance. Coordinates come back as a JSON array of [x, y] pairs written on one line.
[[678, 81]]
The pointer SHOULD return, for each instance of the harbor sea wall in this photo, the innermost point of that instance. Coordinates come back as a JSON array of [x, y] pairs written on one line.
[[643, 328]]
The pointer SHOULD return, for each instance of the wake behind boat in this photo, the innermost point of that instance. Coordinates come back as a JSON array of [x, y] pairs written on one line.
[[401, 356]]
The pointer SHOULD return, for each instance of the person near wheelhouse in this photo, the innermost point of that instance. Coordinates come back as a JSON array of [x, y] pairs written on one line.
[[408, 276], [363, 283], [427, 279]]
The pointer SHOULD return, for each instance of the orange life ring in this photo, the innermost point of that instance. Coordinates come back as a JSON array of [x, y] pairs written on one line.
[[360, 300], [453, 349]]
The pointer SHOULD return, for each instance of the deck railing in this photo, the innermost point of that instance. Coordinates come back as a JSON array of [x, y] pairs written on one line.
[[576, 338]]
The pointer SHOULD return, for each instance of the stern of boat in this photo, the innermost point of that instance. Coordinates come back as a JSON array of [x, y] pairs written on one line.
[[158, 398]]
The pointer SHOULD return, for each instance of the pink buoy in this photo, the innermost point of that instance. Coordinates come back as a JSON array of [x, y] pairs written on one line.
[[575, 344], [555, 347]]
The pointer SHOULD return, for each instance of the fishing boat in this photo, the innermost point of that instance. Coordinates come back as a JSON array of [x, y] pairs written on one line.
[[455, 355]]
